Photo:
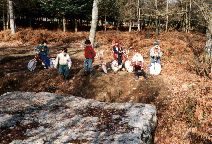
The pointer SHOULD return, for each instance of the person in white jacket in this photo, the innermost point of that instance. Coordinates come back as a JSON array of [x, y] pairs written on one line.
[[155, 53], [138, 64], [64, 62], [155, 59]]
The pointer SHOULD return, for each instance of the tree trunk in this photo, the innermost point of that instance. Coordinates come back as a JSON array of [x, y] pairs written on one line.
[[8, 20], [8, 15], [12, 21], [58, 23], [208, 44], [167, 16], [139, 15], [30, 22], [208, 47], [75, 25], [105, 23], [130, 26], [64, 24], [94, 22], [183, 17], [80, 23], [157, 22], [189, 19], [3, 17], [139, 19], [186, 19], [117, 27], [157, 19], [210, 23]]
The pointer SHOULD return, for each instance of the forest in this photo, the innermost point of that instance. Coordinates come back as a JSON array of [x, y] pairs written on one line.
[[182, 92], [158, 15]]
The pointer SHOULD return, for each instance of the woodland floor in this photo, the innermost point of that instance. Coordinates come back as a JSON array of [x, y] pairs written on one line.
[[183, 98]]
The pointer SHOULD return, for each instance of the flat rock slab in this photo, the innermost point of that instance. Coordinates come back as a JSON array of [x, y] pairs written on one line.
[[50, 118]]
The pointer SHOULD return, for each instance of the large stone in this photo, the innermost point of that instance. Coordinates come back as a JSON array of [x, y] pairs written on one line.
[[50, 118]]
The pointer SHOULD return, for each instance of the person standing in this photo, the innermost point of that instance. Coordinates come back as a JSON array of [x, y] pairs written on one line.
[[89, 54], [64, 61], [43, 52]]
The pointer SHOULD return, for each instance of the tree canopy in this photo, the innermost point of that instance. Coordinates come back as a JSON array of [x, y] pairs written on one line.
[[181, 14]]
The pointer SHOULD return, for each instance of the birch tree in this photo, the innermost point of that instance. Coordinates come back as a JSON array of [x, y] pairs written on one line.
[[11, 14], [139, 15], [167, 16], [94, 22]]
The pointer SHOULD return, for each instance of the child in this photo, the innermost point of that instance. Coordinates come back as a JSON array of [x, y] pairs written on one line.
[[138, 63], [155, 59], [64, 61], [89, 54], [43, 52], [155, 53], [118, 53]]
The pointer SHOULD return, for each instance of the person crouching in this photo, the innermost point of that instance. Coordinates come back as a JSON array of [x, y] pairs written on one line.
[[43, 52], [138, 63], [64, 61]]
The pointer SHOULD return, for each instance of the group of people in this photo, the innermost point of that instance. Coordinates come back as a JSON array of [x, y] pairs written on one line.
[[63, 61], [135, 62], [122, 60]]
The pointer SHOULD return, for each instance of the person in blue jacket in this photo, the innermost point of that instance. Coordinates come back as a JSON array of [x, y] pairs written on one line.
[[43, 52]]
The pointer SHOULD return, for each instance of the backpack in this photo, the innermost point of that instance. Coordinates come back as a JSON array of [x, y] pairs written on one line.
[[52, 62], [32, 64]]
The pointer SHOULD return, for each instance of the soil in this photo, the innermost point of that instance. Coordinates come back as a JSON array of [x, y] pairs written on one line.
[[183, 98]]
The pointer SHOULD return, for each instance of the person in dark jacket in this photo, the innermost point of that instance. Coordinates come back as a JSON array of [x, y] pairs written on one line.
[[89, 54], [43, 52], [118, 53]]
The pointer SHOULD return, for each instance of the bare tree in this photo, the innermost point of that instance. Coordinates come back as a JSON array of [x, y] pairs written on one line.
[[94, 21], [11, 13], [139, 15], [189, 23], [167, 16], [75, 25], [8, 16], [64, 24], [3, 16], [157, 18]]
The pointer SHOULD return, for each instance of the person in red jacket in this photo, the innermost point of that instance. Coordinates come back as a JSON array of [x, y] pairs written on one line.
[[89, 54]]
